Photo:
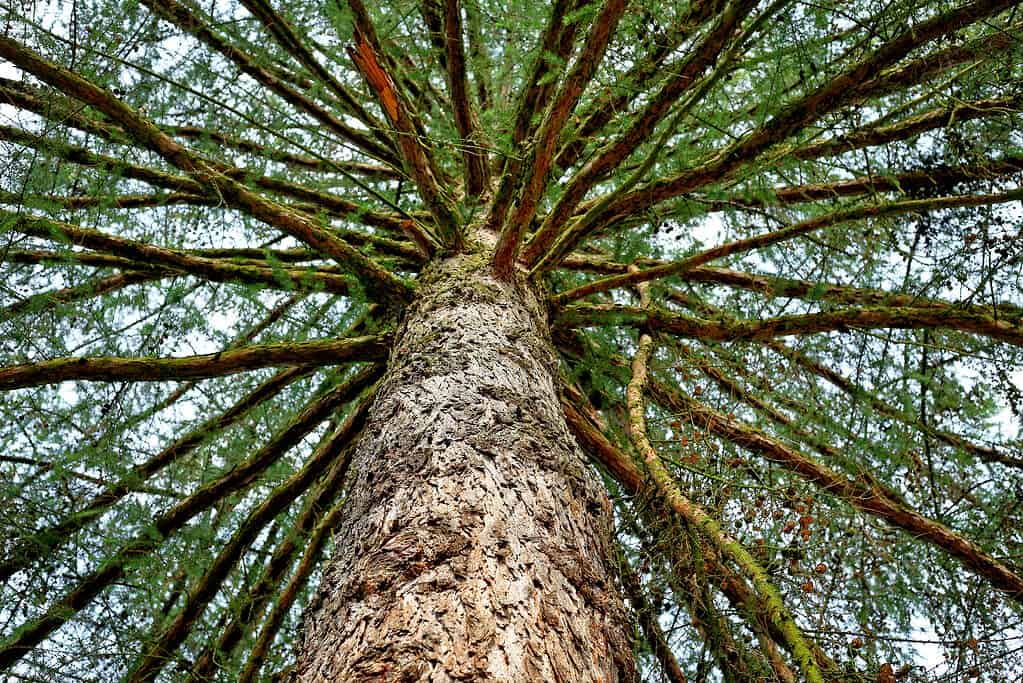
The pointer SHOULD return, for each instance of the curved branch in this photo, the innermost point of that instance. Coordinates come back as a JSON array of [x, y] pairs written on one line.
[[704, 523]]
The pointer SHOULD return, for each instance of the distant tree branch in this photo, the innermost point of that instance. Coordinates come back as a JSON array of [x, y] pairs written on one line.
[[296, 161], [938, 177], [31, 548], [152, 257], [843, 89], [642, 74], [698, 60], [555, 45], [689, 263], [45, 301], [332, 455], [933, 119], [270, 626], [646, 615], [32, 632], [307, 530], [378, 281], [180, 16], [984, 453], [292, 43], [187, 190]]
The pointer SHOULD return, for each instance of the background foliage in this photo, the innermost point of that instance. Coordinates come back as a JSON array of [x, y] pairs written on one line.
[[859, 161]]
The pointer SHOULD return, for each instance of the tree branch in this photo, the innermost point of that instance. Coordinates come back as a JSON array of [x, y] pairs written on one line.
[[180, 16], [31, 633], [29, 549], [541, 152], [683, 266], [378, 281], [842, 320], [477, 166], [793, 117], [114, 369], [700, 520], [160, 647], [416, 154], [863, 494], [700, 58]]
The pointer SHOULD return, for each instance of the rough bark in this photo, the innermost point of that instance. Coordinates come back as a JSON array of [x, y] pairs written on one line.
[[476, 539]]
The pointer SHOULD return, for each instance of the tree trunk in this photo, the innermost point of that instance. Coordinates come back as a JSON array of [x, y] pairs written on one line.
[[476, 539]]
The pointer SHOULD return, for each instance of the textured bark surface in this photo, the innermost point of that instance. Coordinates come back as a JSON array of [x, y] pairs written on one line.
[[475, 541]]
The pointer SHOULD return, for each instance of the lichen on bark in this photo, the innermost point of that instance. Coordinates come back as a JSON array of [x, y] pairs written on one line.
[[476, 540]]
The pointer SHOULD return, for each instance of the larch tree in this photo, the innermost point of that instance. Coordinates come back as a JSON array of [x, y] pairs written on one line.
[[438, 340]]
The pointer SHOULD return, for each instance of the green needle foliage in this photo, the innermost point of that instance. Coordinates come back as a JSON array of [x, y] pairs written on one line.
[[781, 244]]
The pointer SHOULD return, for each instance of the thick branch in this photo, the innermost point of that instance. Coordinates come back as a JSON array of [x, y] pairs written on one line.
[[477, 169], [843, 320], [113, 369], [417, 155]]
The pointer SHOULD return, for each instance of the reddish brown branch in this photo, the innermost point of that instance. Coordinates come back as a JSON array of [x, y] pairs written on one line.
[[419, 162], [541, 152], [473, 143]]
